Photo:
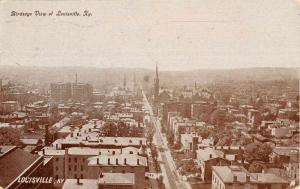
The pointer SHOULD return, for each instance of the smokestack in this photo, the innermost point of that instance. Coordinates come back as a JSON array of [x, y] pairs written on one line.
[[76, 78]]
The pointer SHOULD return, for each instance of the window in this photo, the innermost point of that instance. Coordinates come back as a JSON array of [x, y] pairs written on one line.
[[113, 152], [131, 152], [56, 159], [56, 168], [70, 168], [56, 177], [69, 159], [75, 168], [81, 168], [75, 159]]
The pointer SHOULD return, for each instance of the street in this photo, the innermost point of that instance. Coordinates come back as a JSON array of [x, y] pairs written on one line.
[[171, 177]]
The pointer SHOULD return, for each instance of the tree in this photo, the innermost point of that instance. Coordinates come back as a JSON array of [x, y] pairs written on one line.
[[255, 152], [203, 132], [10, 136], [256, 167]]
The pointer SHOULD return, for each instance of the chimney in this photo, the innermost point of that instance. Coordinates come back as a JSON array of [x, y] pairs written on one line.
[[247, 178], [138, 161], [76, 78], [234, 178], [125, 162], [108, 161], [117, 162]]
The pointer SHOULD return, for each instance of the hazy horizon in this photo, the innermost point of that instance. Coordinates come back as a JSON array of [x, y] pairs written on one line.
[[180, 35], [153, 69]]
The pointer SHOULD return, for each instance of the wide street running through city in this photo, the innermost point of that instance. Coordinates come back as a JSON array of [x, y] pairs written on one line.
[[170, 176]]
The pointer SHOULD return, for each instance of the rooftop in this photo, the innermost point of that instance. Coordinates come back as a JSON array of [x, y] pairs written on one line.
[[116, 179], [13, 164], [228, 173]]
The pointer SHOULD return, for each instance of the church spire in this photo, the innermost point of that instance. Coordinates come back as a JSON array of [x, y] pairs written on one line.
[[156, 85]]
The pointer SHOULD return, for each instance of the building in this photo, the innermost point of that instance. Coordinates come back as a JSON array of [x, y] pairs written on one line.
[[82, 92], [8, 107], [285, 155], [88, 163], [105, 181], [207, 158], [60, 92], [237, 177], [17, 165]]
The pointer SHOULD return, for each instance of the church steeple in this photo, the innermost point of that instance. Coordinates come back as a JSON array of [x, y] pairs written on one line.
[[156, 85]]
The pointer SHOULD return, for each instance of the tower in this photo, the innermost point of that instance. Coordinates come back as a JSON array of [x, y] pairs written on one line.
[[156, 85]]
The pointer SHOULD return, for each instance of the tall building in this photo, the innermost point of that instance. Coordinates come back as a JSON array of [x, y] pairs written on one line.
[[82, 92], [156, 86], [60, 92]]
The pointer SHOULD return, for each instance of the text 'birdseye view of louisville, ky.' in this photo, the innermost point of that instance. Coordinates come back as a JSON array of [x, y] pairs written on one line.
[[149, 94]]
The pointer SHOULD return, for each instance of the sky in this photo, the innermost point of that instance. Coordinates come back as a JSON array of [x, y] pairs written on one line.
[[175, 34]]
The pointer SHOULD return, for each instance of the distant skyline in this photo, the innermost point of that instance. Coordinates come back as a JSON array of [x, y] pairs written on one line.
[[176, 35]]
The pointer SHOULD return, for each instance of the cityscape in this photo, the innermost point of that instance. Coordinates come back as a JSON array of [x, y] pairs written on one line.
[[142, 131], [159, 94]]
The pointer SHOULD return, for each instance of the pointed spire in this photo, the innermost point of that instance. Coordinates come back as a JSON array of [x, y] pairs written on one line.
[[156, 71], [156, 85]]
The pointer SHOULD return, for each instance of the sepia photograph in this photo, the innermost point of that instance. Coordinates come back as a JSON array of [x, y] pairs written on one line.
[[138, 94]]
